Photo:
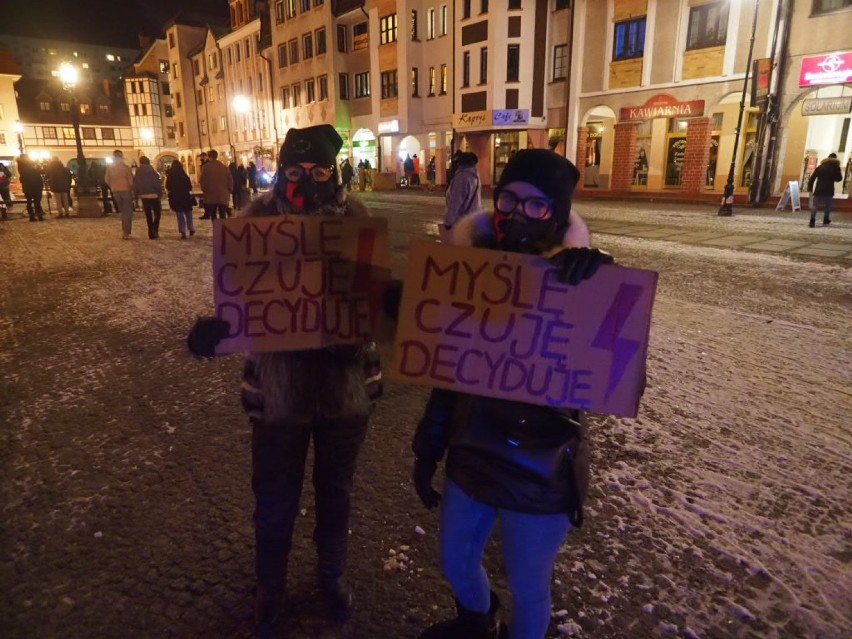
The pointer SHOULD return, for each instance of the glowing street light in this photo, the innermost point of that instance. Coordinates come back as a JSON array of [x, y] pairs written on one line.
[[70, 75], [241, 104]]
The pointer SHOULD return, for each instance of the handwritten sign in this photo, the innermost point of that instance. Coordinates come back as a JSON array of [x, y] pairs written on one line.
[[298, 282], [501, 325]]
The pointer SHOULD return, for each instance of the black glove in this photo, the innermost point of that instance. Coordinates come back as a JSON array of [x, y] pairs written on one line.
[[424, 470], [392, 298], [573, 265], [205, 335]]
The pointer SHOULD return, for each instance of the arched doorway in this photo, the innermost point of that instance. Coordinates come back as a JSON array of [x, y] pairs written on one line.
[[597, 161], [164, 161], [364, 148]]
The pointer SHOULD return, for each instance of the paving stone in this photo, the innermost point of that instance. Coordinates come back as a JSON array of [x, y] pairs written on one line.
[[732, 240], [776, 246], [818, 252]]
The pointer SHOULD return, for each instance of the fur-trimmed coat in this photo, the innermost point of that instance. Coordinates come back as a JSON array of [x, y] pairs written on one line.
[[333, 382]]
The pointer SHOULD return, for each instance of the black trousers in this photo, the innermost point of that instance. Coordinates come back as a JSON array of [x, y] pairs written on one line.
[[212, 211], [279, 453], [153, 209], [34, 209]]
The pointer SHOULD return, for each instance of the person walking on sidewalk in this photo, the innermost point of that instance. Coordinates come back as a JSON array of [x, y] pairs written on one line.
[[217, 185], [33, 187], [149, 188], [292, 397], [120, 181], [464, 192], [59, 181], [251, 172], [821, 188], [524, 464], [179, 187]]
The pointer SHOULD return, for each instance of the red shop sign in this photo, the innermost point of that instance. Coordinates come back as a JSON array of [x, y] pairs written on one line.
[[833, 68], [662, 106]]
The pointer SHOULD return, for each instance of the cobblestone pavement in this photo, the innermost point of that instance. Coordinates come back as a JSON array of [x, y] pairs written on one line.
[[126, 504]]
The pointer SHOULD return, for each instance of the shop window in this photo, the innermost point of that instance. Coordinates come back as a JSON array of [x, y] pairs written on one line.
[[708, 25], [560, 61], [749, 148], [713, 156], [629, 39], [675, 151], [390, 87], [387, 29], [827, 6], [643, 148], [360, 36]]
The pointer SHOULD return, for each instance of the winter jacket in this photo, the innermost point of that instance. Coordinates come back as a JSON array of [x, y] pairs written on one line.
[[216, 183], [118, 177], [179, 188], [825, 175], [58, 176], [504, 453], [31, 181], [301, 386], [147, 181], [463, 195]]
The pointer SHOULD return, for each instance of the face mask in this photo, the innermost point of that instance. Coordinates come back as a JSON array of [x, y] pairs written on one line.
[[519, 234], [307, 195]]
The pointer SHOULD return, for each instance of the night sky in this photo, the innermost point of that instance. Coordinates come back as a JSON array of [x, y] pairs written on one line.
[[111, 22]]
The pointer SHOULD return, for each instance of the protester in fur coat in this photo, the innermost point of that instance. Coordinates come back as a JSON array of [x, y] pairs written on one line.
[[295, 396], [525, 465]]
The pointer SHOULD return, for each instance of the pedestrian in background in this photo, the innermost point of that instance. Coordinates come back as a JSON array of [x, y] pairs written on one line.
[[33, 187], [202, 160], [5, 186], [97, 177], [464, 192], [241, 187], [523, 464], [431, 173], [252, 177], [120, 181], [292, 397], [217, 187], [408, 169], [821, 188], [347, 173], [149, 188], [415, 176], [179, 188], [59, 181]]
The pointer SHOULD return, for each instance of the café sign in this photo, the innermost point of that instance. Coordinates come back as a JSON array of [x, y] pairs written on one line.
[[662, 106], [389, 126], [827, 106], [491, 118], [834, 68]]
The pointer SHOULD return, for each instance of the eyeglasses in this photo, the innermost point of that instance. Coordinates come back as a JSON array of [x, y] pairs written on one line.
[[535, 208], [318, 172]]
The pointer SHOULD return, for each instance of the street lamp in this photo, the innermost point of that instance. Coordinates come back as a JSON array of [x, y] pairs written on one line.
[[147, 136], [69, 75], [19, 129], [242, 105]]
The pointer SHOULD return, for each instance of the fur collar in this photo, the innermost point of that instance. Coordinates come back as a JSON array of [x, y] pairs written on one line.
[[477, 230], [270, 204]]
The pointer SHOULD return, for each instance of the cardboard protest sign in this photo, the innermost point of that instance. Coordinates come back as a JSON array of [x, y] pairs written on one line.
[[501, 325], [298, 282]]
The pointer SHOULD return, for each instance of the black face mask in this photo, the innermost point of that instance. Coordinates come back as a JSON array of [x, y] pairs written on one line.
[[306, 194], [519, 234]]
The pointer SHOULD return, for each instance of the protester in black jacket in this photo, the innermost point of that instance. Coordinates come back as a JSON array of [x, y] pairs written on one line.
[[821, 187], [179, 188], [33, 187]]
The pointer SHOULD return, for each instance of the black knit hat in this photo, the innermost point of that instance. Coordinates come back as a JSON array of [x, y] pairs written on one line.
[[318, 144], [551, 173]]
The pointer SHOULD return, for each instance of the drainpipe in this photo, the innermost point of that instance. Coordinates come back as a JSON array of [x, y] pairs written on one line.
[[572, 7]]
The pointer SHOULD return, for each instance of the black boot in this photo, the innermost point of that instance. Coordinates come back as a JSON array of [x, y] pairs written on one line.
[[267, 610], [469, 625], [336, 597], [812, 223], [826, 221]]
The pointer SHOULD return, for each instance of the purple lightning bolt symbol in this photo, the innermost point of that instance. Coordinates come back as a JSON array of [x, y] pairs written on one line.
[[608, 338]]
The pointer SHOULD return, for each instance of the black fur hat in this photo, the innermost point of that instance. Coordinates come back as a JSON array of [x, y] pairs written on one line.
[[551, 173], [318, 144]]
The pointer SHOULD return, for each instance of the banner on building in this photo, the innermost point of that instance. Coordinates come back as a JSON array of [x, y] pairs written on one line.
[[500, 325], [510, 117], [827, 106], [832, 68], [298, 282], [662, 106], [761, 76]]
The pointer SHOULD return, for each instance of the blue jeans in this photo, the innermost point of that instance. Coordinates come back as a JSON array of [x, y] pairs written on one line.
[[124, 205], [184, 220], [823, 202], [530, 544]]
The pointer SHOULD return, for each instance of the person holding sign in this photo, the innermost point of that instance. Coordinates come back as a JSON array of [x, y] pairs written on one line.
[[292, 397], [523, 464]]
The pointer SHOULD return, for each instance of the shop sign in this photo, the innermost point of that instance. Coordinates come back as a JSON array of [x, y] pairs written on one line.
[[510, 117], [389, 126], [761, 75], [472, 119], [834, 68], [827, 106], [662, 106]]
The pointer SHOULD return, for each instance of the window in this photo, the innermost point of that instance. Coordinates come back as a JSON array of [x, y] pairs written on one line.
[[360, 36], [211, 94], [85, 108], [827, 6], [297, 95], [221, 122], [483, 7], [390, 88], [164, 66], [293, 45], [279, 12], [444, 20], [514, 4], [362, 84], [306, 6], [229, 56], [220, 90], [285, 97], [430, 24], [413, 25], [177, 100], [196, 67], [103, 109], [282, 55], [341, 38], [466, 69], [68, 132], [708, 25], [65, 107], [2, 138], [236, 53], [319, 36], [308, 46], [431, 81], [483, 65], [291, 8], [629, 39], [310, 91], [199, 96], [181, 131], [168, 111], [387, 29], [171, 40], [560, 61], [165, 89], [44, 105], [88, 133], [107, 134], [212, 60], [465, 9], [247, 47], [323, 87], [561, 4], [49, 132], [513, 62], [415, 82], [343, 85], [202, 127], [319, 3], [443, 79], [170, 132]]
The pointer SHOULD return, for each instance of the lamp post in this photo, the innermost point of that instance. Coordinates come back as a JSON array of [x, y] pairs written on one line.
[[87, 204], [727, 208], [19, 129], [147, 136]]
